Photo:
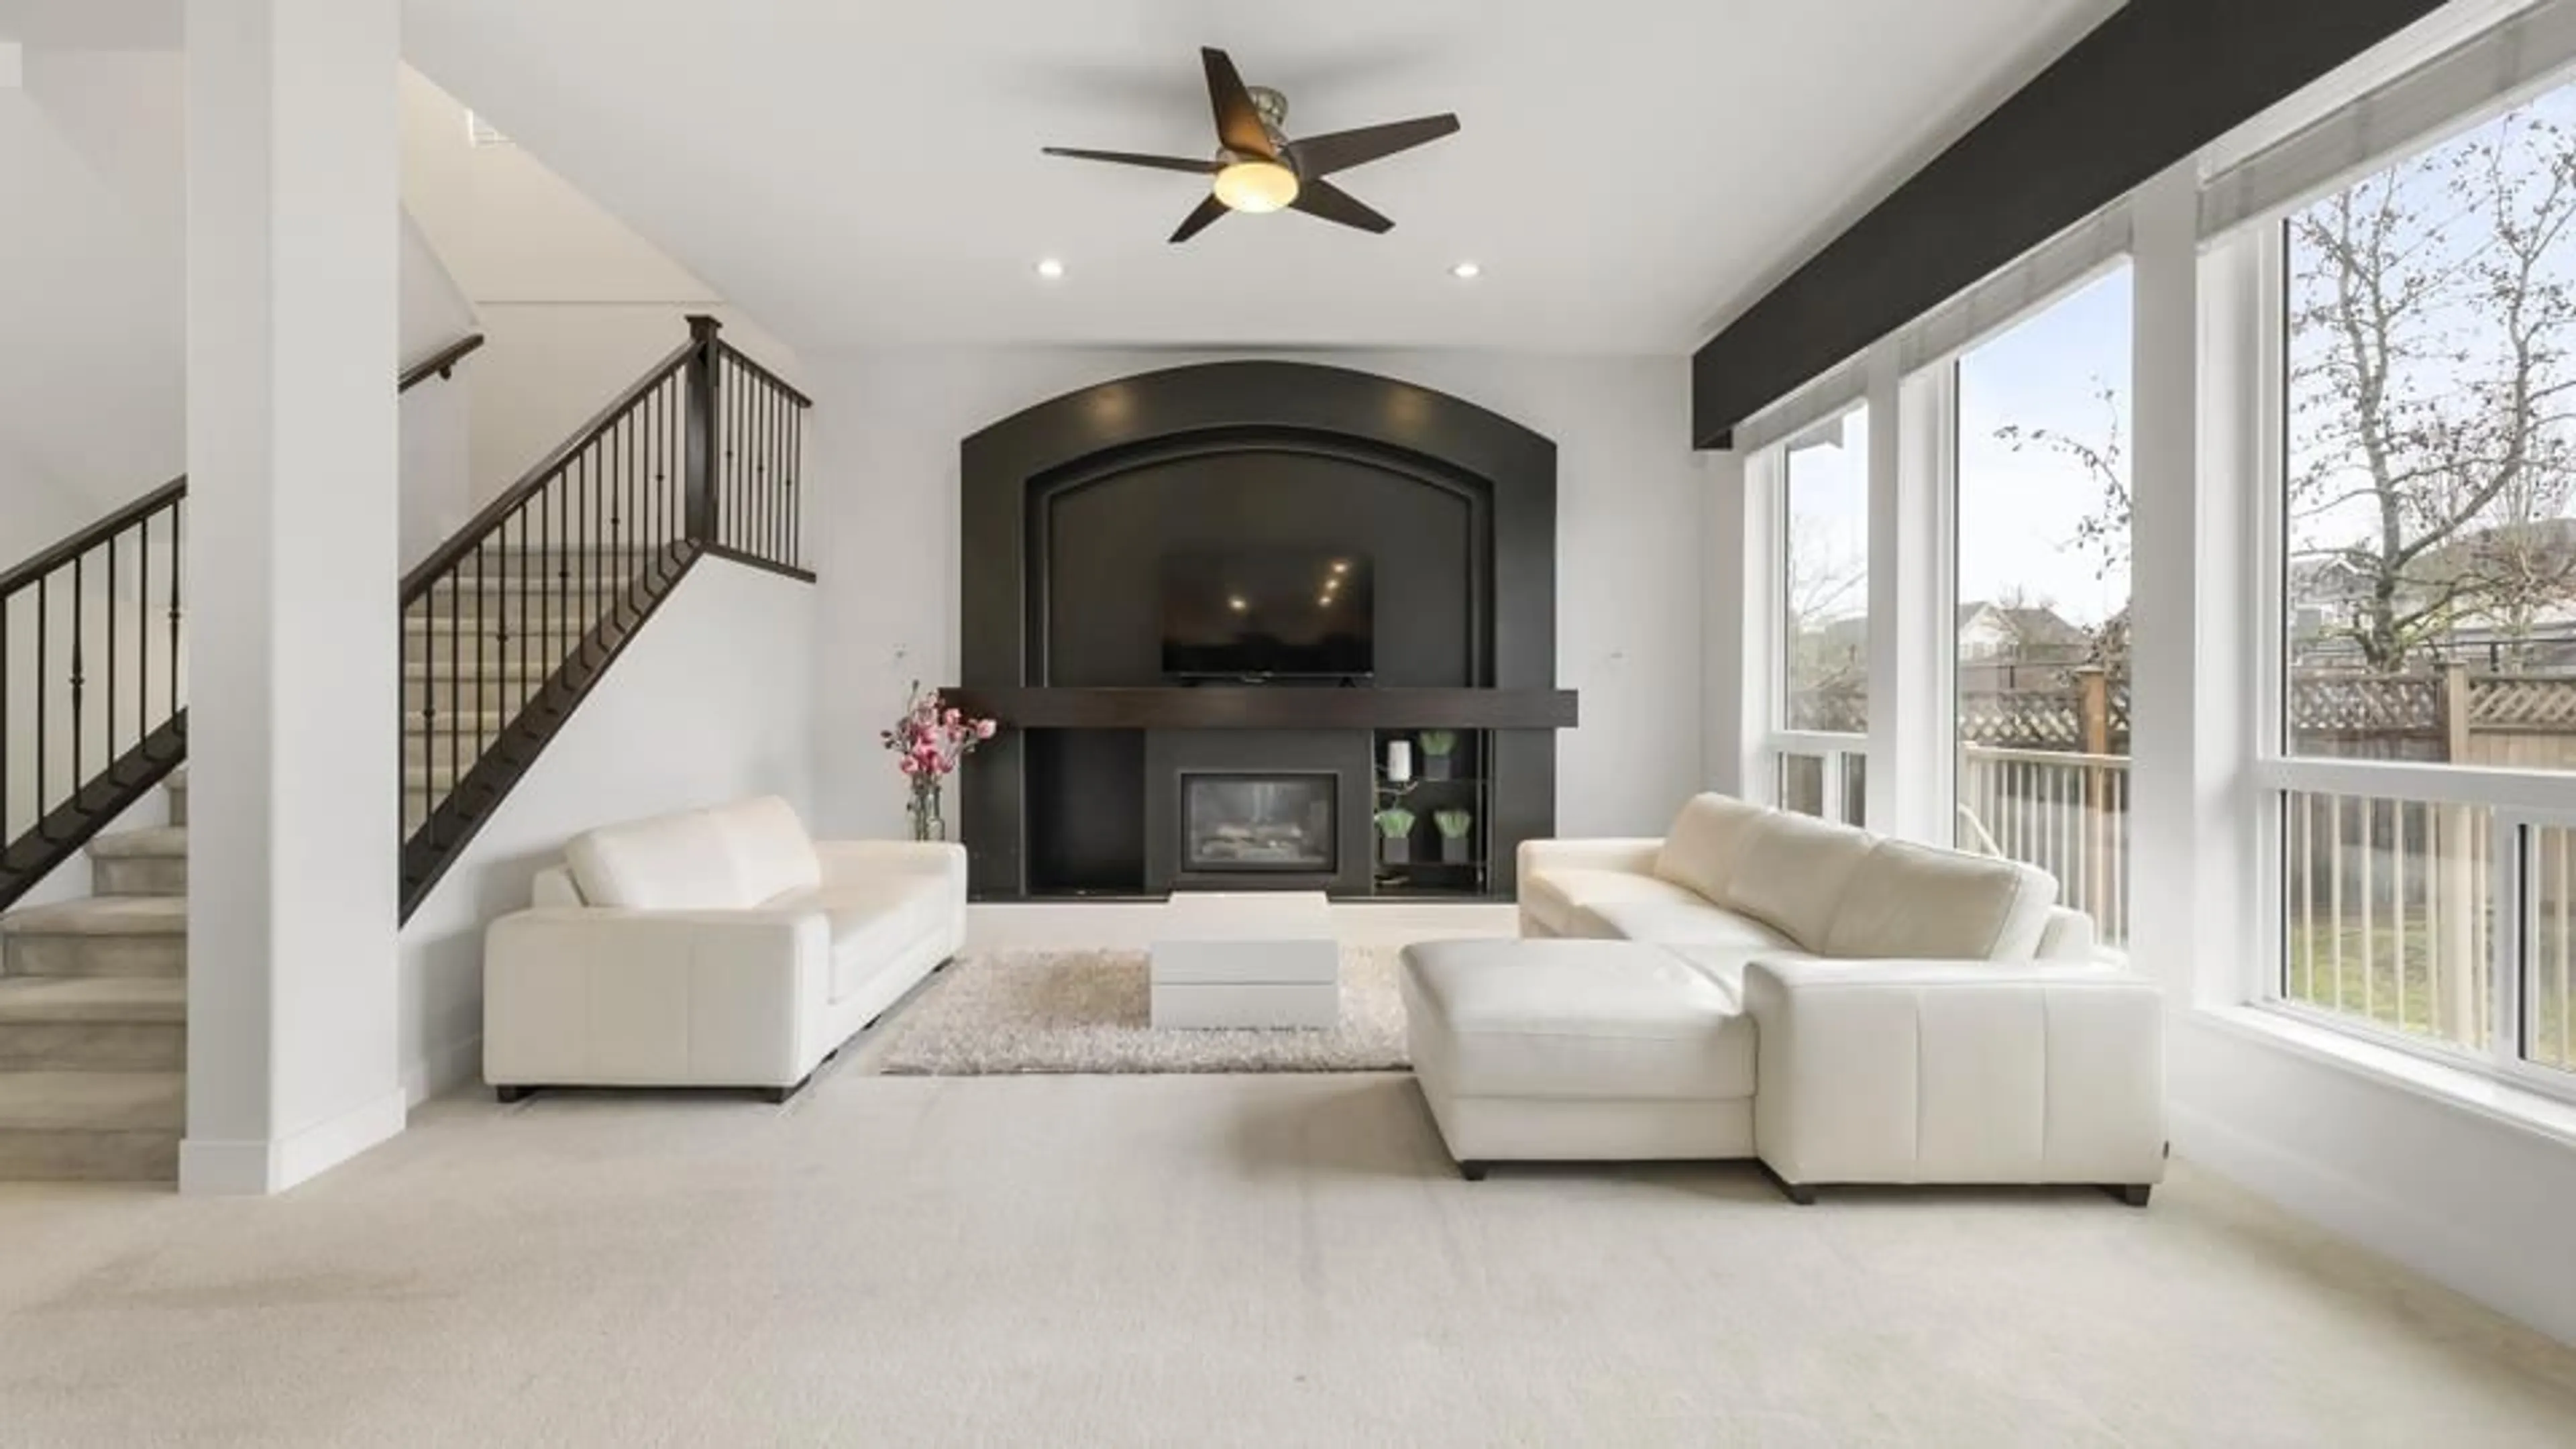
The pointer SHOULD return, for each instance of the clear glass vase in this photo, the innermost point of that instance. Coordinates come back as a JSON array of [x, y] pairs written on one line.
[[927, 821]]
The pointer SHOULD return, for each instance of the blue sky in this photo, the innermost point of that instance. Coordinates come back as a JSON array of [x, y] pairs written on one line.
[[2021, 511]]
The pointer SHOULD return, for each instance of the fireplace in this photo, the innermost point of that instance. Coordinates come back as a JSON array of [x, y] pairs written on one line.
[[1258, 823]]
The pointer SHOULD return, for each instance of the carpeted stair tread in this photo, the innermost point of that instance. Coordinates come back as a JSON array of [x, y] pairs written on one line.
[[93, 1101], [102, 916], [161, 842], [119, 999]]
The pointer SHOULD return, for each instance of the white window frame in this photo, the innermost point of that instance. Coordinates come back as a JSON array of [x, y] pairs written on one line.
[[2517, 801], [1767, 471]]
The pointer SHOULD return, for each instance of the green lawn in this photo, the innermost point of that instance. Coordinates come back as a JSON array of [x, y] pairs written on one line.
[[2396, 988]]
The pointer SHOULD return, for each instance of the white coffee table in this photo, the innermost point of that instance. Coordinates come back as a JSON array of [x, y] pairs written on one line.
[[1246, 958]]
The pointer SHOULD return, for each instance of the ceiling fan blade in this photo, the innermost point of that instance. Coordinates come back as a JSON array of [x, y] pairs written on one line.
[[1318, 197], [1342, 150], [1238, 124], [1130, 158], [1201, 219]]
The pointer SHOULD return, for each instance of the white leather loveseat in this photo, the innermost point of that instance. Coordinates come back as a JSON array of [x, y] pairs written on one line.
[[711, 948], [1847, 1008]]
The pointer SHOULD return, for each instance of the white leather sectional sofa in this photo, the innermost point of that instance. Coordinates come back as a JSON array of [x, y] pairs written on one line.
[[711, 948], [1846, 1008]]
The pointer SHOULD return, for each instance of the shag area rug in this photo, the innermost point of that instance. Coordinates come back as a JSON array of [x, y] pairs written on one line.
[[1089, 1011]]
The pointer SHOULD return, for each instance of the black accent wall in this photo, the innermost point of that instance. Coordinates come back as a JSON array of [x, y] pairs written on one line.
[[1068, 510]]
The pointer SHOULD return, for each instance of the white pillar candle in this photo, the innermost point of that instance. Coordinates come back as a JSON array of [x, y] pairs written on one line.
[[1399, 761]]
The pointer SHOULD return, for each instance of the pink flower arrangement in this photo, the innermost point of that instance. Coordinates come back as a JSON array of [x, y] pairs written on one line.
[[929, 739]]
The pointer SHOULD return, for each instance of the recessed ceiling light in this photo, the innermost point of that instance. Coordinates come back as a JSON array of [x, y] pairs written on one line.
[[1466, 271], [1050, 268]]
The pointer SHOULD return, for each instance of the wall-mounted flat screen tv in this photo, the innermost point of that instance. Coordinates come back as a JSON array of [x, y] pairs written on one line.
[[1268, 614]]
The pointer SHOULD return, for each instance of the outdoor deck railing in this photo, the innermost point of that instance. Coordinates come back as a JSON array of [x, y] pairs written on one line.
[[2065, 812]]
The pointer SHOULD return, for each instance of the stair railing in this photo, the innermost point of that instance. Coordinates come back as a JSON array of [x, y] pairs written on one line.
[[93, 670], [93, 681], [509, 624]]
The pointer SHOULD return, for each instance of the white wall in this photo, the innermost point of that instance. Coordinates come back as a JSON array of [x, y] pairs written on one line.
[[883, 532], [2462, 1195], [437, 463], [575, 303], [91, 287], [713, 701]]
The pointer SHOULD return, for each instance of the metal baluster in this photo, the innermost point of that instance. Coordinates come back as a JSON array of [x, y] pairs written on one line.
[[80, 628], [795, 476], [109, 713], [44, 640], [143, 634], [626, 498], [484, 697], [456, 678], [561, 487], [178, 557]]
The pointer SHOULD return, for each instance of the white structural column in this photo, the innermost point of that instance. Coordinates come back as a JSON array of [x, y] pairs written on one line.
[[1736, 589], [292, 566], [2193, 632], [1907, 739]]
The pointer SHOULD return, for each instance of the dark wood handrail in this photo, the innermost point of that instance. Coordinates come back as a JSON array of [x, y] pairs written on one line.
[[91, 537], [436, 364], [465, 540], [441, 363], [735, 356]]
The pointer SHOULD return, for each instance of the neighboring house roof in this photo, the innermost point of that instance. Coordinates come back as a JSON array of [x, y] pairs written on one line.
[[2026, 628]]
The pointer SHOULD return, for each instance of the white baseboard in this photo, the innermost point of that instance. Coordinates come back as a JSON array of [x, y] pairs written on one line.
[[2421, 1241], [220, 1168], [443, 1070]]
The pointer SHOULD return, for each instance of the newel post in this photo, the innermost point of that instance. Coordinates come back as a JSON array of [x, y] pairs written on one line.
[[699, 459]]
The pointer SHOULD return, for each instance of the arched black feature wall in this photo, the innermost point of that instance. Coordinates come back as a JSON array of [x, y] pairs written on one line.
[[1068, 508]]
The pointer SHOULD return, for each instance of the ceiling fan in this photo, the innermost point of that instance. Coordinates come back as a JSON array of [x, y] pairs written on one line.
[[1258, 169]]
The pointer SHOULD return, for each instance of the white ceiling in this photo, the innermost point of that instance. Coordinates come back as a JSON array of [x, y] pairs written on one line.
[[1629, 171], [1629, 174]]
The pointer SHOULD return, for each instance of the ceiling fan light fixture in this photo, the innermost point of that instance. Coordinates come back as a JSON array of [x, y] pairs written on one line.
[[1256, 186]]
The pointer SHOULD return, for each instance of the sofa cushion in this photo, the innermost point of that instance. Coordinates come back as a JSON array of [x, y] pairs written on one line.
[[1921, 902], [2068, 936], [1707, 839], [1594, 1019], [770, 846], [1559, 897], [1673, 923], [1792, 871], [873, 921], [680, 862]]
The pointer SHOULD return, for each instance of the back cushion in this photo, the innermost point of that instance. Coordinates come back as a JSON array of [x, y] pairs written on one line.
[[770, 847], [669, 863], [1909, 900], [1701, 850], [1790, 872]]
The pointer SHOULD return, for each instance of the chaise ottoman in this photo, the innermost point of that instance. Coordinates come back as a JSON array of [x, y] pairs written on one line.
[[1555, 1050]]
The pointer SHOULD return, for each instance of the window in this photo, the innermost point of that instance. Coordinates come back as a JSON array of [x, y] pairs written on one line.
[[1821, 741], [2042, 597], [2427, 521], [1824, 605]]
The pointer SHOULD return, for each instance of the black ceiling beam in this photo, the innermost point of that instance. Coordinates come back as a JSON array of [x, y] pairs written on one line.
[[2149, 86]]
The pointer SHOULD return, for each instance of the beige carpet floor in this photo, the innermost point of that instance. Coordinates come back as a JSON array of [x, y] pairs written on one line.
[[1092, 1011], [1168, 1260]]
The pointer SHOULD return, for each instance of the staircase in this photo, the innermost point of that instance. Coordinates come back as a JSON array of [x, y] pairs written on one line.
[[94, 1015], [505, 628]]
